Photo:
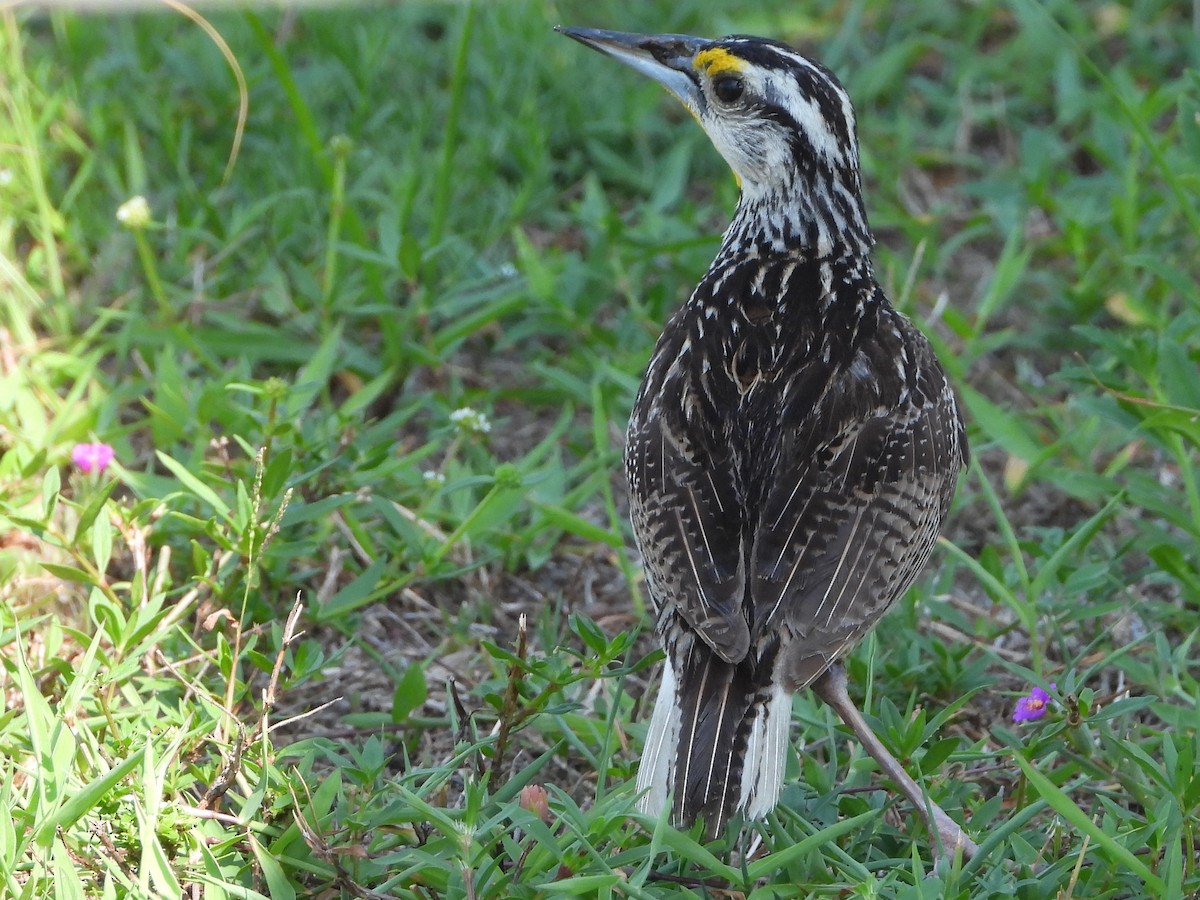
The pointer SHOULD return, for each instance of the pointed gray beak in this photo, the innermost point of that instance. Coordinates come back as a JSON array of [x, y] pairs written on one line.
[[667, 58]]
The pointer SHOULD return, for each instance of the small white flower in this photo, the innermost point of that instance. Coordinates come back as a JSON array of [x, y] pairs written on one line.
[[434, 478], [470, 421], [508, 270], [6, 177], [134, 213]]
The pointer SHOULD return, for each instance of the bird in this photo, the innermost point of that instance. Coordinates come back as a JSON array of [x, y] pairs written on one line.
[[793, 449]]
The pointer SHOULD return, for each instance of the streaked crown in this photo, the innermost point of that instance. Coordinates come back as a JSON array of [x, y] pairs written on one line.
[[775, 115], [783, 123]]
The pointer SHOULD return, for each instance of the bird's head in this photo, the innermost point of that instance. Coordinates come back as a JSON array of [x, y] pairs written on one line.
[[783, 122]]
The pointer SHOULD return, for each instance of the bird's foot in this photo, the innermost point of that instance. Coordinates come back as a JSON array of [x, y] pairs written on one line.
[[950, 837]]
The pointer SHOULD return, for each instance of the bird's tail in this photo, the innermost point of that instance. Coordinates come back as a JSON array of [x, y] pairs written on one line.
[[717, 744]]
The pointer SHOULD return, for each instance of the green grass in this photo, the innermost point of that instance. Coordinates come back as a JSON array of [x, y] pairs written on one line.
[[444, 206]]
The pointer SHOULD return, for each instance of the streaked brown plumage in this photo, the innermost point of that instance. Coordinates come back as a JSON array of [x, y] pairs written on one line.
[[795, 443]]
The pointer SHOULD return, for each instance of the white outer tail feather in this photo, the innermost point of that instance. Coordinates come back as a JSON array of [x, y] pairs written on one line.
[[766, 755], [657, 769], [762, 770]]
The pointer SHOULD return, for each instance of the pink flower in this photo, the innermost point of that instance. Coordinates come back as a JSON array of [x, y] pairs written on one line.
[[1033, 707], [535, 799], [92, 457]]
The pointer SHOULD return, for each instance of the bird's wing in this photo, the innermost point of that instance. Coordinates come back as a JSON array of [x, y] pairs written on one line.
[[845, 528], [688, 526]]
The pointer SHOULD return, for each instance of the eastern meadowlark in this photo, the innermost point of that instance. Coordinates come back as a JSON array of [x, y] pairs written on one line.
[[793, 449]]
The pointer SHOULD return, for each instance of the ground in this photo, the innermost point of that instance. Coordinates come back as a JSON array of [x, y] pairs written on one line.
[[436, 208]]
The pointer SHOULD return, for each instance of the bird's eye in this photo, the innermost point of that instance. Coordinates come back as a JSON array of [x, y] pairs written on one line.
[[728, 88]]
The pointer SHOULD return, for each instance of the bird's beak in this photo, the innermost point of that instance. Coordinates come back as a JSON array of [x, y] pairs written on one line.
[[667, 58]]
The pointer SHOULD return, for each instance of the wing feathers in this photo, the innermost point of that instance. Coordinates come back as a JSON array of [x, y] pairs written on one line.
[[778, 523]]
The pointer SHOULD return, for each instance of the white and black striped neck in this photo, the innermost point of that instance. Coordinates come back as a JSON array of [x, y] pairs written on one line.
[[813, 220]]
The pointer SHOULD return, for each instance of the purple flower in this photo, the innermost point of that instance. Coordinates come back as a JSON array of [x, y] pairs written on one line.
[[1033, 707], [92, 457]]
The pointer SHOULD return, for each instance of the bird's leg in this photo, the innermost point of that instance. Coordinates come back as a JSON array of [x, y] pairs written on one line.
[[831, 687]]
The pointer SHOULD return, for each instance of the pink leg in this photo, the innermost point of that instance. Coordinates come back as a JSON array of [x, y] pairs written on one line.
[[831, 687]]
